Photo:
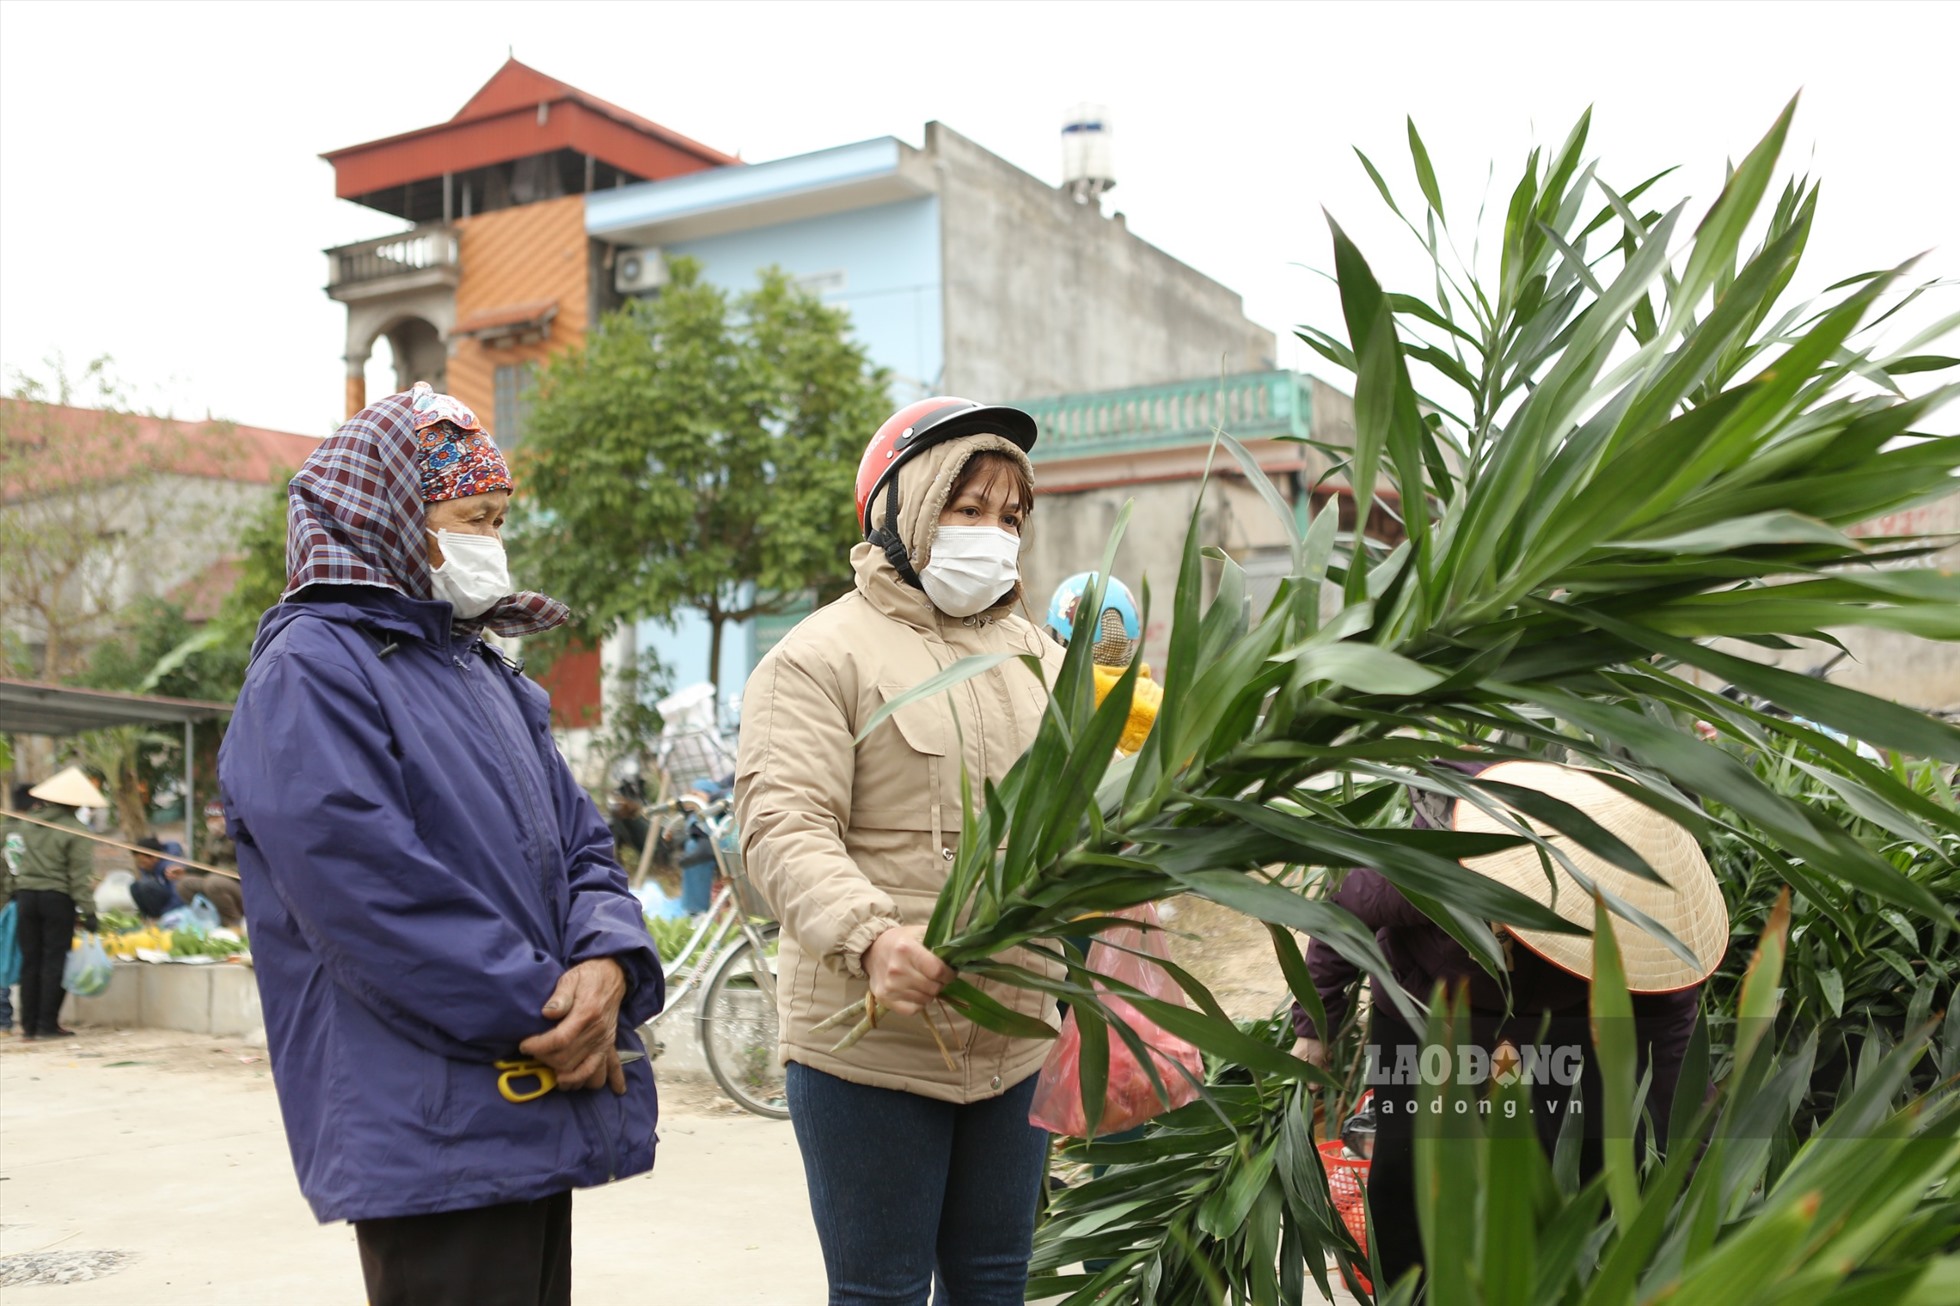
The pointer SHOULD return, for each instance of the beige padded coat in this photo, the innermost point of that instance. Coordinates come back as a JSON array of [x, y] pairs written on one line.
[[846, 841]]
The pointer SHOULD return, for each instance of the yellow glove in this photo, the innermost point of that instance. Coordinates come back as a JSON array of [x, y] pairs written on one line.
[[1144, 701]]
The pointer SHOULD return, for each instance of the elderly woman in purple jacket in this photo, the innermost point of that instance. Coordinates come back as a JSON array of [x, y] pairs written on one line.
[[449, 961], [1539, 1013]]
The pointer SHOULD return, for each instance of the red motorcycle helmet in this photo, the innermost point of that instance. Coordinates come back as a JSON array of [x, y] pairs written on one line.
[[909, 432]]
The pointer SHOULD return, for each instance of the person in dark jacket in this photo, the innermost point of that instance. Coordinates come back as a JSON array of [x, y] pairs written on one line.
[[154, 890], [438, 925], [54, 883], [1541, 1012]]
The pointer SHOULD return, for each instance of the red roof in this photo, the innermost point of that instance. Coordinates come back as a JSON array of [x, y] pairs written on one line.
[[63, 447], [203, 595], [520, 112]]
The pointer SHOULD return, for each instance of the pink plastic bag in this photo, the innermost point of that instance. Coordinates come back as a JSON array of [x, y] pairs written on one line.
[[1130, 1098]]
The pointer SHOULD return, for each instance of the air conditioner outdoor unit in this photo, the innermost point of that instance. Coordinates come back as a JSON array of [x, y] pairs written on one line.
[[637, 271]]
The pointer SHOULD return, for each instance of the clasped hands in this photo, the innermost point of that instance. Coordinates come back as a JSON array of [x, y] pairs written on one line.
[[579, 1046]]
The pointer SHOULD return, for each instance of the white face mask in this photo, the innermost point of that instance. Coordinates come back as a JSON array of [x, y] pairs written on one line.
[[971, 568], [474, 573]]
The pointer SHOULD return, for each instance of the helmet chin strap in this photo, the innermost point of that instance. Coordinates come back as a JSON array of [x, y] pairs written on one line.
[[887, 538]]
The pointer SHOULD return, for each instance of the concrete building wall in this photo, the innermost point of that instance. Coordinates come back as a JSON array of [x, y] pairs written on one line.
[[532, 254], [881, 264], [1046, 296], [1907, 669], [156, 538], [1069, 532]]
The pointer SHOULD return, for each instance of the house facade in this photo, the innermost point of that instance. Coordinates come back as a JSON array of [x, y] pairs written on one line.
[[538, 208], [102, 509]]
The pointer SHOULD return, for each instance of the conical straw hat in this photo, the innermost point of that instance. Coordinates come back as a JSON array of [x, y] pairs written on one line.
[[69, 788], [1689, 905]]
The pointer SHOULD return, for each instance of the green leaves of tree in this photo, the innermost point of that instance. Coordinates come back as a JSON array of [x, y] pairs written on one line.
[[698, 452]]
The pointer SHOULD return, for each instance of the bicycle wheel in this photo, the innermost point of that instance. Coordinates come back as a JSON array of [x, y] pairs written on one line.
[[737, 1024]]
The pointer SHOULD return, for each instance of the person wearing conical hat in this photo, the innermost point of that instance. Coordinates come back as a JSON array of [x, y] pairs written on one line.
[[1537, 1021], [55, 878]]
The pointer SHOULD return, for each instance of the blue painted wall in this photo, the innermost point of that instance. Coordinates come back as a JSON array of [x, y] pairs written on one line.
[[883, 265], [887, 258], [683, 646]]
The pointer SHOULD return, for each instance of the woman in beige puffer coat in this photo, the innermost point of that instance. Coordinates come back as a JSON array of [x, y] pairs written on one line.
[[913, 1166]]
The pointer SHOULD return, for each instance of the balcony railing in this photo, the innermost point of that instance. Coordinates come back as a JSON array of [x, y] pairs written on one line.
[[425, 250], [1250, 406]]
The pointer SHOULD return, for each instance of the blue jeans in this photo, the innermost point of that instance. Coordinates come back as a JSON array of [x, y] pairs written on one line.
[[901, 1185]]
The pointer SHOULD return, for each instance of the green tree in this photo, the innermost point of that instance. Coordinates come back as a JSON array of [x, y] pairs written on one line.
[[698, 452], [261, 554]]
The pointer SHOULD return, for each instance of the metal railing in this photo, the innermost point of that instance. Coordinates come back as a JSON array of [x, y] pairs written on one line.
[[1252, 405], [421, 250]]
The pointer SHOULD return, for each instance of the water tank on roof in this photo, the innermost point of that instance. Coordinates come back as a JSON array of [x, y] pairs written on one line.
[[1088, 153]]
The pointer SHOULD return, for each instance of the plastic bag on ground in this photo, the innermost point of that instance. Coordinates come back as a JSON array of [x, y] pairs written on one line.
[[86, 970], [655, 903], [113, 893], [203, 916], [1130, 1098]]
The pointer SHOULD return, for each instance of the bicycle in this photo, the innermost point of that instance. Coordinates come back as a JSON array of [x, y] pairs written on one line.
[[734, 947]]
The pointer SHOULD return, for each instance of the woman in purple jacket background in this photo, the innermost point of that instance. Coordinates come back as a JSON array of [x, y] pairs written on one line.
[[429, 891], [1543, 1003]]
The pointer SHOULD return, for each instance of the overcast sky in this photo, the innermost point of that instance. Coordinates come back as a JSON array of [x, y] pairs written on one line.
[[161, 198]]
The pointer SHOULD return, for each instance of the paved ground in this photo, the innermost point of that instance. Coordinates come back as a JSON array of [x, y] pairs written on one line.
[[168, 1147]]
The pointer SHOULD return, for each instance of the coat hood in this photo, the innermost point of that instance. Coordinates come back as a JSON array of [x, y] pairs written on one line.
[[924, 485]]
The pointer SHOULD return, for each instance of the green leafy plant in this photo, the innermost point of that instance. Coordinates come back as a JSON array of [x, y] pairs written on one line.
[[1231, 1203], [670, 934], [1861, 974], [1625, 490], [1737, 1211], [1633, 449], [1215, 1197]]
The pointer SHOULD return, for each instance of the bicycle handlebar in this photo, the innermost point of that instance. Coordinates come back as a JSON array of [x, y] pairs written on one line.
[[694, 804]]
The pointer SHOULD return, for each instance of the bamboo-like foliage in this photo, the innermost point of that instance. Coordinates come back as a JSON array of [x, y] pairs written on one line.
[[1633, 449], [1230, 1204]]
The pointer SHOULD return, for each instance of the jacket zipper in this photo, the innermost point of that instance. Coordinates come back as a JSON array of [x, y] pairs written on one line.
[[518, 778], [581, 1104]]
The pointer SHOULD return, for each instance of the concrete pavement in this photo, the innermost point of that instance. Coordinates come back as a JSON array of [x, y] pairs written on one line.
[[168, 1147]]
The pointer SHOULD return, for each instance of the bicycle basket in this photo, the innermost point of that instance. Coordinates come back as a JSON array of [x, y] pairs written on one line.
[[688, 757], [728, 854]]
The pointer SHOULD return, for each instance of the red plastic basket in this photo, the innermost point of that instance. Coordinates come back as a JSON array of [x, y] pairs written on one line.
[[1347, 1185]]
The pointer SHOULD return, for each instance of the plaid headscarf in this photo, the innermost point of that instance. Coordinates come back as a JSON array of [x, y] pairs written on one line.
[[354, 516], [458, 456]]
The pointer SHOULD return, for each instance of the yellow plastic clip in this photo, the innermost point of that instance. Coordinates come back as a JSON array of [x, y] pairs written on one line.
[[520, 1070]]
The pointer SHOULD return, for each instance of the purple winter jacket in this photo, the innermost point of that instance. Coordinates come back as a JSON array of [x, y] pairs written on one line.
[[419, 867]]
